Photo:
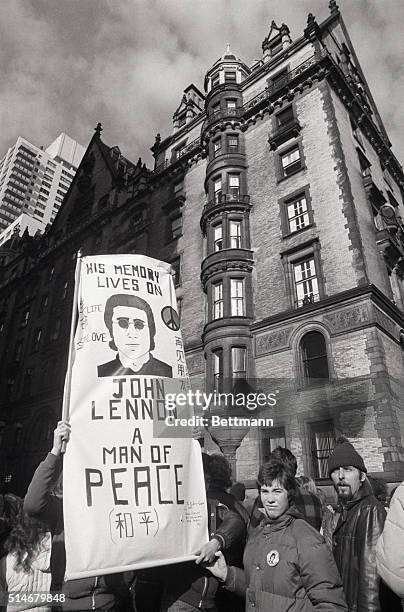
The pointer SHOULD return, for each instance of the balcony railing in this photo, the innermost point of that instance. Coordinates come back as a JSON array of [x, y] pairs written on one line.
[[227, 197], [186, 150], [280, 83], [224, 113]]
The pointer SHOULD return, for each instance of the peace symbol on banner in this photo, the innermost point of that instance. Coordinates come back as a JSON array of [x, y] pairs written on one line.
[[170, 318]]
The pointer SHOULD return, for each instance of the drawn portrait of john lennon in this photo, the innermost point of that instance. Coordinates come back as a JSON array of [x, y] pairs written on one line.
[[131, 325]]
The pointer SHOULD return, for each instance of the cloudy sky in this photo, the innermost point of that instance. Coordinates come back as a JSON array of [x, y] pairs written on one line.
[[67, 64]]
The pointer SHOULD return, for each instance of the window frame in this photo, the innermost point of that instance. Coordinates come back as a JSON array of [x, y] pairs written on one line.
[[217, 150], [305, 361], [217, 300], [235, 299], [216, 240], [295, 254], [233, 190], [239, 235], [227, 72], [315, 468], [237, 374], [232, 148], [287, 201], [297, 165]]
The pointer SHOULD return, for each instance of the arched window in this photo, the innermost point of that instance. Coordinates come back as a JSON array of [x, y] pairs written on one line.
[[314, 354]]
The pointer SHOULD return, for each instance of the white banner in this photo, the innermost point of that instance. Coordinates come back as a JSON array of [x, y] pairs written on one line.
[[132, 496]]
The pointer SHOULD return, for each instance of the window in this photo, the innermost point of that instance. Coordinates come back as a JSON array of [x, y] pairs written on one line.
[[215, 80], [285, 116], [56, 330], [180, 151], [231, 105], [272, 437], [297, 214], [322, 444], [217, 147], [314, 355], [218, 238], [290, 161], [51, 273], [176, 227], [218, 300], [232, 143], [239, 362], [278, 79], [218, 370], [64, 290], [230, 76], [234, 186], [237, 297], [306, 285], [276, 46], [36, 339], [181, 120], [217, 186], [25, 318], [235, 234]]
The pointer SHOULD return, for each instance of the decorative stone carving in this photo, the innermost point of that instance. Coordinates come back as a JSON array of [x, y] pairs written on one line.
[[347, 318], [387, 324], [272, 341], [196, 364]]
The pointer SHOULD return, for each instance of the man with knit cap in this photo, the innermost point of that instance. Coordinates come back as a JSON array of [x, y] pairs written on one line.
[[355, 536]]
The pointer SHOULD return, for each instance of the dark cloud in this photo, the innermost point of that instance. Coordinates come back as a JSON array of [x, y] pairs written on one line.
[[68, 64]]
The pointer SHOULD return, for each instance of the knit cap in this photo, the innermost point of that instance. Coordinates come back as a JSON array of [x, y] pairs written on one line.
[[345, 454]]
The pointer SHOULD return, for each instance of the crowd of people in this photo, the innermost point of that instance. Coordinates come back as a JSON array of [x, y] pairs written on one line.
[[290, 552]]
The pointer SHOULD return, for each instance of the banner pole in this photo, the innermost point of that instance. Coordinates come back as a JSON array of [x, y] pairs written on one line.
[[67, 390]]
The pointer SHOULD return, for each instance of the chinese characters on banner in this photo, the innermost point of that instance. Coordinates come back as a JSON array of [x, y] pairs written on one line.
[[133, 497]]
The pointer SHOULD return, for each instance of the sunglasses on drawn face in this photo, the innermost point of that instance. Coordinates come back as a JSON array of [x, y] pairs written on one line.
[[124, 322]]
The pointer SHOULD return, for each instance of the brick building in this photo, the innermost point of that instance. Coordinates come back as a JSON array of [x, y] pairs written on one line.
[[278, 201]]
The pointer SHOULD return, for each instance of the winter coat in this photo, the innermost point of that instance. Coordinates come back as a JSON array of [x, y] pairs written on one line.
[[287, 568], [20, 581], [390, 546], [192, 583], [100, 592], [359, 526]]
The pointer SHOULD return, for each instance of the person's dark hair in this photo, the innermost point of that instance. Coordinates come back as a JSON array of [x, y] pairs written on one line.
[[285, 456], [238, 490], [275, 470], [124, 299], [220, 471], [24, 539]]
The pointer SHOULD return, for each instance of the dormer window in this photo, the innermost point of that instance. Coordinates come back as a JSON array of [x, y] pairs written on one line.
[[215, 79], [230, 76], [285, 117], [182, 120], [179, 152], [275, 46]]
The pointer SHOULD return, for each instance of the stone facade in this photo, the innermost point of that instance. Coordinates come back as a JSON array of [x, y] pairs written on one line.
[[278, 201]]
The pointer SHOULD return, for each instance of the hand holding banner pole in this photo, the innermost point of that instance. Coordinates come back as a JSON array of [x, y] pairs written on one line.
[[67, 389]]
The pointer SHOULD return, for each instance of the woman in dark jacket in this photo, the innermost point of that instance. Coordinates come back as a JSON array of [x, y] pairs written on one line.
[[287, 565], [99, 593]]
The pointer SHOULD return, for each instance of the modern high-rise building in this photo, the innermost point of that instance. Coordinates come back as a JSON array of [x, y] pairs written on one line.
[[35, 181], [279, 203]]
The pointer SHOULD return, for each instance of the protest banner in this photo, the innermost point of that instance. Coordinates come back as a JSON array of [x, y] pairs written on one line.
[[131, 497]]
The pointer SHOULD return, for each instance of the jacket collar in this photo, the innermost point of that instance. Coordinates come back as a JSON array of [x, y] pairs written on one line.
[[365, 490], [282, 521]]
